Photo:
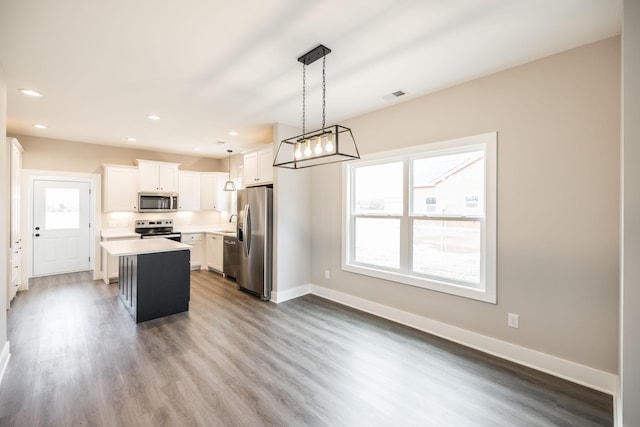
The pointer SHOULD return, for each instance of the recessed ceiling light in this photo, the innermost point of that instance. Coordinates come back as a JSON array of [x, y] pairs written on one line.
[[131, 139], [153, 117], [39, 126], [30, 92], [233, 133], [196, 148]]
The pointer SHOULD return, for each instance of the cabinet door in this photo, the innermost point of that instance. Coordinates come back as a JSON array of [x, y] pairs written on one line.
[[250, 169], [212, 194], [120, 189], [258, 167], [208, 191], [265, 166], [16, 194], [16, 275], [214, 252], [168, 177], [194, 240], [149, 175], [189, 191], [218, 262]]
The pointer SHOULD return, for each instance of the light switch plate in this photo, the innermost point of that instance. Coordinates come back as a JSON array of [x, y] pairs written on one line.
[[513, 320]]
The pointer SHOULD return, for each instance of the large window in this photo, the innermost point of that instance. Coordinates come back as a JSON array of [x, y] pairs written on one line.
[[425, 217]]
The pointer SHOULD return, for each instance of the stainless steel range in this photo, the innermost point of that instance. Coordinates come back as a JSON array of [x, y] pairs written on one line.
[[157, 229]]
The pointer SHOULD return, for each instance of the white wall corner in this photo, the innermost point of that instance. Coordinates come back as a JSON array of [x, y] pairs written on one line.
[[4, 360], [565, 369]]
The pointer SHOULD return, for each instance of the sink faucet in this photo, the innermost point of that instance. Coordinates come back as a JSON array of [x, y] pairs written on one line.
[[231, 217]]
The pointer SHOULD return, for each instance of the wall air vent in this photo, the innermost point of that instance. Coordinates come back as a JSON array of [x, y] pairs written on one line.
[[398, 93]]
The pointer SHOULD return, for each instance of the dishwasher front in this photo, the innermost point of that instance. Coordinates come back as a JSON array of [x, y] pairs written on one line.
[[231, 256]]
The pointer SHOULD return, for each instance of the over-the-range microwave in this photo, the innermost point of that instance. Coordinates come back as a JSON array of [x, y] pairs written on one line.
[[157, 202]]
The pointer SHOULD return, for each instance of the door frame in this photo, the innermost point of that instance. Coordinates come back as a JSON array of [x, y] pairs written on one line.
[[95, 207]]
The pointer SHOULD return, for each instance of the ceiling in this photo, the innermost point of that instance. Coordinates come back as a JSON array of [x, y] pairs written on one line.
[[208, 67]]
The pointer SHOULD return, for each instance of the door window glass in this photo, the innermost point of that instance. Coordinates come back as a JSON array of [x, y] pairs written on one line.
[[62, 208]]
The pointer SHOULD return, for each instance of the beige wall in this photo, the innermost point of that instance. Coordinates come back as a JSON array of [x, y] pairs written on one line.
[[630, 318], [558, 121], [71, 156], [291, 223]]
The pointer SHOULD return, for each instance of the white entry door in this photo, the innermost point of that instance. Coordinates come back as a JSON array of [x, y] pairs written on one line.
[[61, 224]]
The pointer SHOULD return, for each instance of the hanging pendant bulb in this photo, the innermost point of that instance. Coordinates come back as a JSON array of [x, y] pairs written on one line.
[[329, 146], [318, 149], [307, 148], [298, 151], [229, 185]]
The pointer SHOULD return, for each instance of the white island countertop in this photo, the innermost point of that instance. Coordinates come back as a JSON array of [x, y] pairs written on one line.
[[142, 246]]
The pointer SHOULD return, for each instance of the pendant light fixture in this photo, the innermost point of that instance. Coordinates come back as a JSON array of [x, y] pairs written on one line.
[[229, 185], [329, 144]]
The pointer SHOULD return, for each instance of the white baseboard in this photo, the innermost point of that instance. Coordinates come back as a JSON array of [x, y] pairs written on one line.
[[4, 359], [288, 294], [571, 371]]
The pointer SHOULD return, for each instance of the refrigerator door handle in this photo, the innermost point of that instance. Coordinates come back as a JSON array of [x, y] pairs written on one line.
[[247, 229]]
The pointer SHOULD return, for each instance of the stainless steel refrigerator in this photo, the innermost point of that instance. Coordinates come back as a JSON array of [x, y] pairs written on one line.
[[255, 240]]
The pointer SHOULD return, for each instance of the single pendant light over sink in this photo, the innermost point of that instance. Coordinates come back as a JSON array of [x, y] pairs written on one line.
[[229, 185], [329, 144]]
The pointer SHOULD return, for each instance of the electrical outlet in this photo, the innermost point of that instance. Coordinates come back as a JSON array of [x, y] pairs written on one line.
[[327, 274], [513, 320]]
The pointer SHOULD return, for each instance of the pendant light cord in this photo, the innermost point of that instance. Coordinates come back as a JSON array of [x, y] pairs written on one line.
[[324, 88], [304, 84]]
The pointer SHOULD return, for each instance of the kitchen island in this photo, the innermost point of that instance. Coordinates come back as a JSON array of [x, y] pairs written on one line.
[[153, 276]]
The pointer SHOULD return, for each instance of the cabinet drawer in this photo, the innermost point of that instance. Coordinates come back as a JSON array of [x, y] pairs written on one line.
[[192, 237]]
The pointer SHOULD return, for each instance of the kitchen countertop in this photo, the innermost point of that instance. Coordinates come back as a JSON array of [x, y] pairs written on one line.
[[118, 233], [211, 229], [221, 229], [142, 246]]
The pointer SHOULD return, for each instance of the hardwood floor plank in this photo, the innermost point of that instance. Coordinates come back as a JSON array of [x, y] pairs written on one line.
[[233, 360]]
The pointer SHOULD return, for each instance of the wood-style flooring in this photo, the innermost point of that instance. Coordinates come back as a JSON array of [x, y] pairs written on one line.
[[78, 359]]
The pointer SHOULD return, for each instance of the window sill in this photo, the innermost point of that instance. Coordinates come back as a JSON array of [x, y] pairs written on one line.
[[484, 295]]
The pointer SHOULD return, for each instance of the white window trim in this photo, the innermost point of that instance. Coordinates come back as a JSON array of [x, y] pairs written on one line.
[[488, 272]]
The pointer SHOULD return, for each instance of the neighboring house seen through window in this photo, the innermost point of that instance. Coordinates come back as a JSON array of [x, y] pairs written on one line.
[[425, 216]]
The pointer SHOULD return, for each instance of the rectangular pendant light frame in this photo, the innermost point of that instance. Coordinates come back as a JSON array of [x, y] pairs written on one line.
[[344, 149]]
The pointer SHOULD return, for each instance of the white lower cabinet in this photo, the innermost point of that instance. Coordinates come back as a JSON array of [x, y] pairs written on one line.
[[110, 262], [195, 241], [16, 274], [214, 248]]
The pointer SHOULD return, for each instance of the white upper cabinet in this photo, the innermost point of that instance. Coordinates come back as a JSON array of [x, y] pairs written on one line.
[[158, 176], [212, 194], [189, 191], [120, 188], [258, 167]]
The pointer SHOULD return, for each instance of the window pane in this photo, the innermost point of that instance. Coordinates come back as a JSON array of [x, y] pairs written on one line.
[[377, 241], [451, 184], [448, 249], [378, 189], [62, 208]]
